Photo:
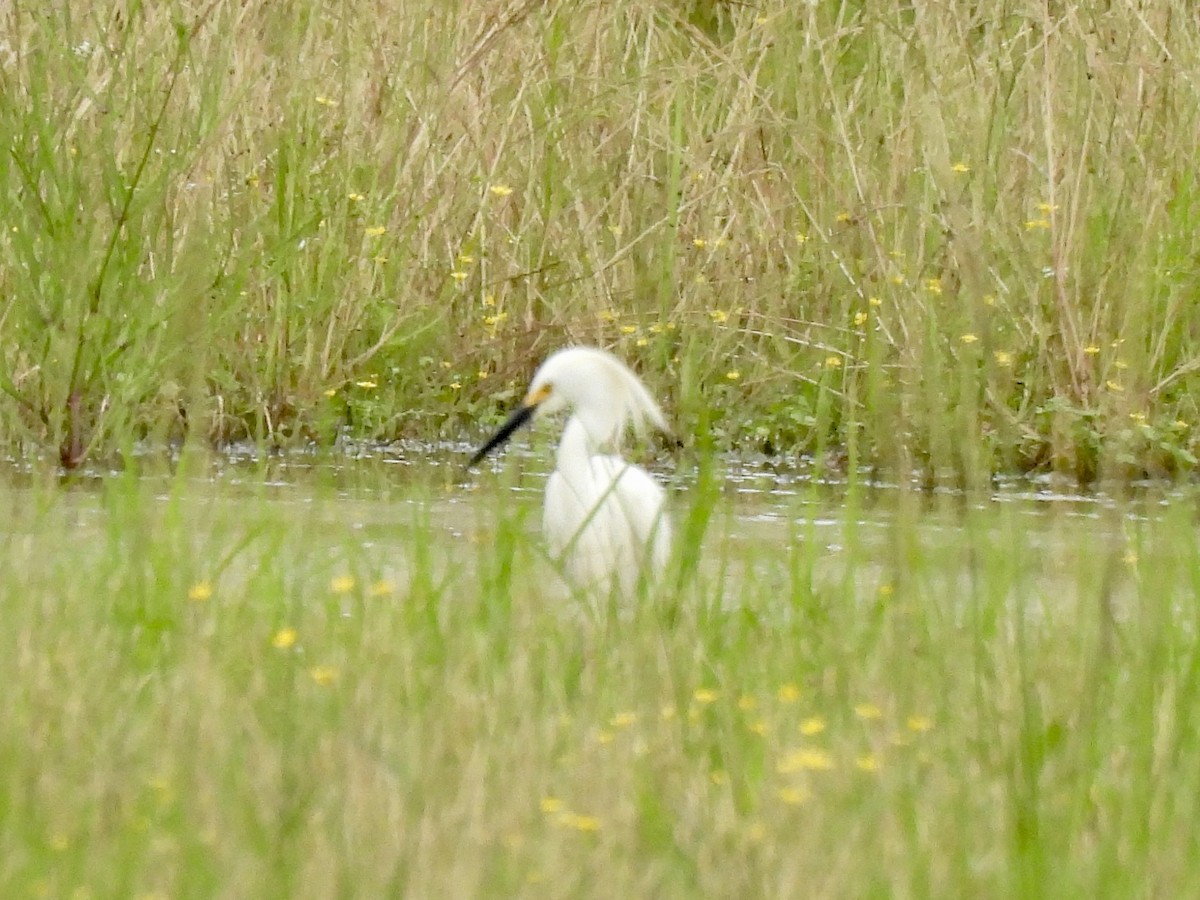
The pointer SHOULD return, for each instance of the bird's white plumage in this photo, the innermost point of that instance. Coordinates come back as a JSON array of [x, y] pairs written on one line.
[[604, 519]]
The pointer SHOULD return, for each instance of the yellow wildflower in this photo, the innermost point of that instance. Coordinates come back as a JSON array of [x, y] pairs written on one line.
[[381, 588], [919, 723], [860, 318], [719, 316], [933, 285], [459, 275], [323, 675], [342, 584], [867, 711], [200, 591], [500, 190], [551, 805], [326, 101], [579, 822], [833, 362], [1003, 358], [733, 374], [367, 383], [969, 338], [284, 638], [788, 693], [355, 198], [375, 230], [792, 796], [868, 762], [797, 760], [705, 695], [812, 725], [961, 167], [1033, 224]]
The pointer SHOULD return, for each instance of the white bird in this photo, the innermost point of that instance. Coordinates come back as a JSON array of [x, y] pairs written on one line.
[[604, 518]]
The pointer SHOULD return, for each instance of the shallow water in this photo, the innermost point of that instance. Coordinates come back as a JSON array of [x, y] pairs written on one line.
[[381, 493], [755, 490]]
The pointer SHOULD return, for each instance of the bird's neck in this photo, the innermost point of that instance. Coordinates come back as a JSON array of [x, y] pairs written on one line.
[[576, 447]]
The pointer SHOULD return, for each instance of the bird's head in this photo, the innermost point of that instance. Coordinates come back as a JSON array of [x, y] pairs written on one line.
[[600, 390]]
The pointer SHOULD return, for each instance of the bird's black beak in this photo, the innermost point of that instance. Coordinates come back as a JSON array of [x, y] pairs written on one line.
[[520, 416]]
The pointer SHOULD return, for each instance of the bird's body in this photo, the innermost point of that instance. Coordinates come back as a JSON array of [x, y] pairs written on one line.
[[604, 518]]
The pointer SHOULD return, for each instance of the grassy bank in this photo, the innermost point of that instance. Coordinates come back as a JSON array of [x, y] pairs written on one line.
[[954, 238], [258, 692]]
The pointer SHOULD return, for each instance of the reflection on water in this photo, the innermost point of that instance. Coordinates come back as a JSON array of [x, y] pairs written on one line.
[[373, 488], [388, 512], [755, 489]]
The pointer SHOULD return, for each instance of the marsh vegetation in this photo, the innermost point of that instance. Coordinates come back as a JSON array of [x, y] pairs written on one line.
[[899, 253], [951, 238]]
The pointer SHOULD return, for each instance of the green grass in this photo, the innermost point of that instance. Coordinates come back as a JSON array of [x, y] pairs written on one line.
[[949, 239], [343, 689], [957, 239]]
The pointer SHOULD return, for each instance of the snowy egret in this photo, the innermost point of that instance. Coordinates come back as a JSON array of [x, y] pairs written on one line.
[[603, 518]]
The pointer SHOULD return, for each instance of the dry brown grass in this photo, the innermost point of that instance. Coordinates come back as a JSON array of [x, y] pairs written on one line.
[[821, 225]]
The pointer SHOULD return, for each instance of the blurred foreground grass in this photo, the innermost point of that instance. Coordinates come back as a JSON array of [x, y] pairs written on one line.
[[231, 691]]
